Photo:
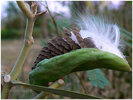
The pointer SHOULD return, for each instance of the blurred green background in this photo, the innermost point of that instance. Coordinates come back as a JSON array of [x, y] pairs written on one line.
[[12, 34]]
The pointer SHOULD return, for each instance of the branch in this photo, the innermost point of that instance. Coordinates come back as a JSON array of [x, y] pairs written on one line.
[[28, 41], [5, 90], [40, 14], [81, 82], [66, 93], [44, 94], [54, 22], [24, 9]]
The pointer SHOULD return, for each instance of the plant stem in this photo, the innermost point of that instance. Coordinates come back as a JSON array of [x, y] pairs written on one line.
[[28, 41], [25, 50], [5, 90], [53, 19], [42, 95], [81, 82], [65, 93], [20, 61], [24, 9]]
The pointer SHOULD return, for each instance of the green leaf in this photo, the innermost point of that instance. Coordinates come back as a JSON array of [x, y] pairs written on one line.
[[126, 32], [97, 78], [127, 43], [70, 94], [58, 14], [126, 36], [63, 22], [43, 43]]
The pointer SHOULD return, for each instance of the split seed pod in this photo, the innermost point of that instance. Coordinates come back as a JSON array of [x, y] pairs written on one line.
[[61, 45], [79, 60], [61, 57]]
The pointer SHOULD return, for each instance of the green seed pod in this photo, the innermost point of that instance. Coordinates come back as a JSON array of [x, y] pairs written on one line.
[[78, 60]]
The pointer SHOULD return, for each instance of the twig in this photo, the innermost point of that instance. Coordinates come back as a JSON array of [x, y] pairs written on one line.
[[53, 19], [5, 90], [24, 9], [40, 14], [28, 41], [42, 95], [65, 93], [81, 82]]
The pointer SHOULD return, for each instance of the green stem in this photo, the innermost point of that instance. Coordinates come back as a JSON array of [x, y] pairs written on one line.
[[5, 90], [25, 50], [81, 82], [65, 93], [43, 94], [24, 9], [28, 41], [53, 19]]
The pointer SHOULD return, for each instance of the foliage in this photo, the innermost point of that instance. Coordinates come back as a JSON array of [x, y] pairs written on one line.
[[13, 25], [43, 43], [9, 33], [97, 78], [61, 22], [12, 10], [127, 37]]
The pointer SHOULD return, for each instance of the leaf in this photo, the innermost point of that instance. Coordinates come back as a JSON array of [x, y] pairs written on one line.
[[58, 14], [63, 22], [43, 43], [70, 94], [126, 36], [127, 40], [97, 78], [126, 32], [127, 43]]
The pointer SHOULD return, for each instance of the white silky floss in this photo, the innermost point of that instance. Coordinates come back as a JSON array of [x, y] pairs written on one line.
[[105, 36]]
